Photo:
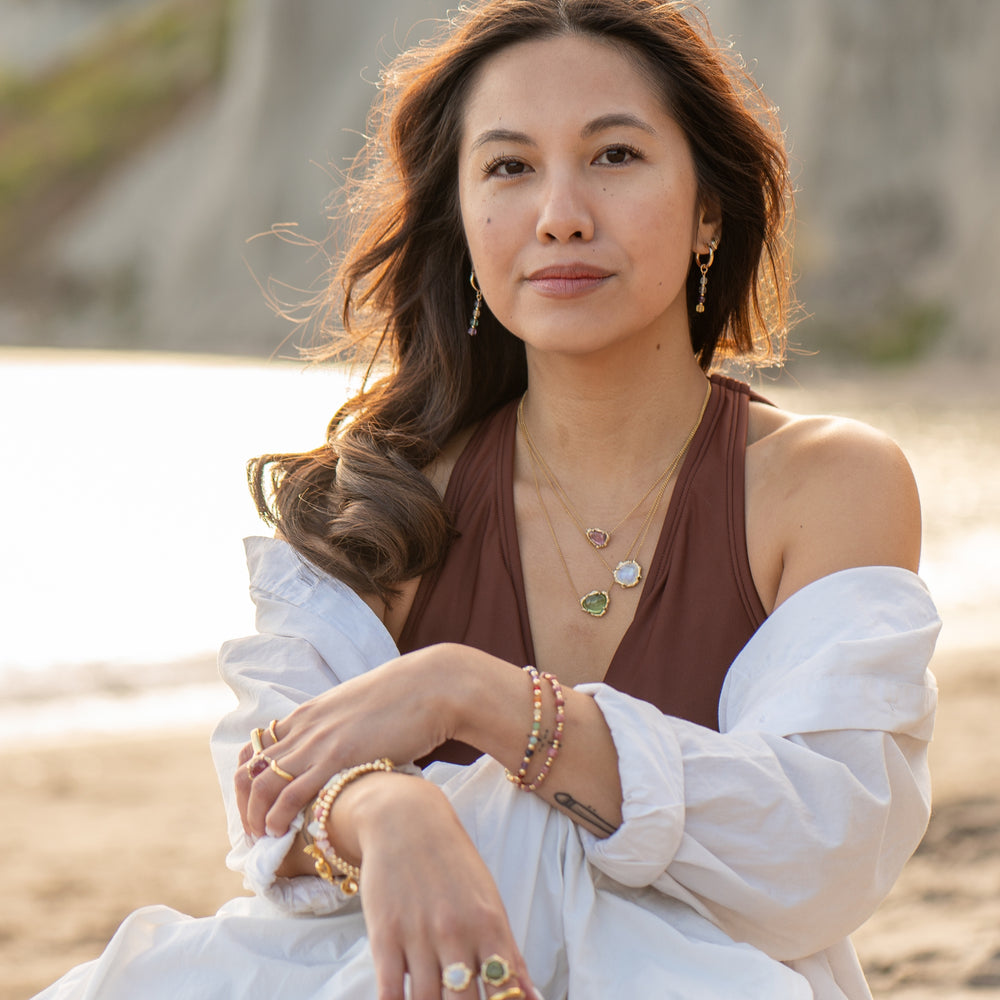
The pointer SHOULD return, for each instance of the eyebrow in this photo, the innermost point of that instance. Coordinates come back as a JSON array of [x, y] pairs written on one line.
[[595, 125]]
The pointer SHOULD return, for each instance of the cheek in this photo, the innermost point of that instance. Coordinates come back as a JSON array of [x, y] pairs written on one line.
[[490, 233]]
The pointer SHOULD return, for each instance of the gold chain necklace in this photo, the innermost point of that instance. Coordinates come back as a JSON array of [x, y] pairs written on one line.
[[628, 572]]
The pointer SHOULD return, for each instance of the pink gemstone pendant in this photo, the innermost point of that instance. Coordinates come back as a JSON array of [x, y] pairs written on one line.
[[599, 539]]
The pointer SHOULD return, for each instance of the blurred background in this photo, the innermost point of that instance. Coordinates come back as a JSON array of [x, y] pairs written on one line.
[[145, 143], [142, 142]]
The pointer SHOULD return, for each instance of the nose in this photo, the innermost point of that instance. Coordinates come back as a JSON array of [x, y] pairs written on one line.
[[564, 213]]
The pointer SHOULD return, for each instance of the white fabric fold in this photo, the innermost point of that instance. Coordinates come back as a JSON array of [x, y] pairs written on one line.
[[745, 858]]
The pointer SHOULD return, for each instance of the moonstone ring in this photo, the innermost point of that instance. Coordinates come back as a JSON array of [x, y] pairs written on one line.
[[456, 977]]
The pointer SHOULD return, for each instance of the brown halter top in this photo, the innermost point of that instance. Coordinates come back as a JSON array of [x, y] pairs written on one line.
[[698, 606]]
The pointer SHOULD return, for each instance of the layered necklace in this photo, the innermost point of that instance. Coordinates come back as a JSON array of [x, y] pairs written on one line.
[[628, 572]]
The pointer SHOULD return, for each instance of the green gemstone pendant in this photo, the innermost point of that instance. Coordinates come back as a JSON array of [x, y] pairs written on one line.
[[596, 603]]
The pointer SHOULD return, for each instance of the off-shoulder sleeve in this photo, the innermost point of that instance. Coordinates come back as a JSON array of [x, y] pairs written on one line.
[[313, 633], [790, 825]]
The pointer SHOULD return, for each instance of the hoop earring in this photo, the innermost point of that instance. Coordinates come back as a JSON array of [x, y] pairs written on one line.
[[474, 322], [703, 267]]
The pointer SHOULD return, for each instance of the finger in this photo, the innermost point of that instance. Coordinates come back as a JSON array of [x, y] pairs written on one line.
[[458, 979], [290, 801], [271, 733], [425, 975], [504, 974], [270, 778], [389, 971], [274, 800], [241, 782]]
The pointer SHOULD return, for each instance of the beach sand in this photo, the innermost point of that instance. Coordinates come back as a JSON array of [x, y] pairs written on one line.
[[94, 830]]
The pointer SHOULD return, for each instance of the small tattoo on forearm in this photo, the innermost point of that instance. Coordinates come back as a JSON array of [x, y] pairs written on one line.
[[586, 813]]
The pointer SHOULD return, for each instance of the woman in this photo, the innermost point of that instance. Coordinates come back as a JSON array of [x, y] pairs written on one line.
[[570, 210]]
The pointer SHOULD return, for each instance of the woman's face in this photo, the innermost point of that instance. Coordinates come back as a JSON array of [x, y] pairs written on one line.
[[579, 197]]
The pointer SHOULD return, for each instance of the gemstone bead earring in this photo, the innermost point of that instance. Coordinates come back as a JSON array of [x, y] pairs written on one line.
[[703, 266], [474, 322]]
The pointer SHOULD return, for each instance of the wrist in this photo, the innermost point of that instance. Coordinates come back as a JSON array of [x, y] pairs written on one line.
[[452, 683], [368, 807]]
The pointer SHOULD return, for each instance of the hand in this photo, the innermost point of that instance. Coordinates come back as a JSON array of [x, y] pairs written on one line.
[[429, 900], [399, 710]]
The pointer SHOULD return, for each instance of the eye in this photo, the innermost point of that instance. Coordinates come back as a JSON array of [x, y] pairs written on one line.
[[504, 166], [618, 155]]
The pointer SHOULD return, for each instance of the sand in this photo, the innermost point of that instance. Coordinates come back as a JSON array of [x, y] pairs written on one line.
[[93, 831]]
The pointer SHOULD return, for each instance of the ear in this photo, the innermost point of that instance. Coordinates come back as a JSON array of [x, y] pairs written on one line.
[[709, 223]]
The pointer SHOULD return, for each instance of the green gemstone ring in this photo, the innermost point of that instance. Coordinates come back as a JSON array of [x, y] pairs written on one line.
[[495, 971]]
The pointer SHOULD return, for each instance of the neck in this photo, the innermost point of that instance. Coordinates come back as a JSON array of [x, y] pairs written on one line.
[[600, 426]]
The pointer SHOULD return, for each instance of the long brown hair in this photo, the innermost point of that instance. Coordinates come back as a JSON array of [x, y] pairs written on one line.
[[360, 506]]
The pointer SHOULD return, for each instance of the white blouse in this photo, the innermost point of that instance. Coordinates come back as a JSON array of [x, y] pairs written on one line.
[[745, 856]]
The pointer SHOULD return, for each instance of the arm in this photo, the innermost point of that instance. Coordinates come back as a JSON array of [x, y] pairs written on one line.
[[788, 827]]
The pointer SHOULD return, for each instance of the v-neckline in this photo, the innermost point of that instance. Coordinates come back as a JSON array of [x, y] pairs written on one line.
[[659, 561]]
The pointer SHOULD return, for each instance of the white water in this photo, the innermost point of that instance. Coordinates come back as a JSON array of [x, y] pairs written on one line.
[[123, 509], [124, 506]]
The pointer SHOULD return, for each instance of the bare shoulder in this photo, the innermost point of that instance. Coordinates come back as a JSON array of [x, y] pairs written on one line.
[[825, 494], [439, 471]]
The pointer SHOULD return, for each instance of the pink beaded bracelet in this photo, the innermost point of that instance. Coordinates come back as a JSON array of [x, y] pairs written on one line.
[[329, 866], [536, 728], [556, 742]]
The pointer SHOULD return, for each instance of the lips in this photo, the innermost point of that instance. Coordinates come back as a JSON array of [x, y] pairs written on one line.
[[565, 280]]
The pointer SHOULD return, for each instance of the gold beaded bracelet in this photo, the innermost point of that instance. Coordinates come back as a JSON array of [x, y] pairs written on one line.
[[329, 866]]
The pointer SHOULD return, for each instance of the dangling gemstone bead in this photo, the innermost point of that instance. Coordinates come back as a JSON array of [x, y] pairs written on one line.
[[596, 603]]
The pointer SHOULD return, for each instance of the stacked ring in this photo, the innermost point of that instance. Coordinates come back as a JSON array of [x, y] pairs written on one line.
[[260, 762], [514, 993], [279, 771], [456, 977], [256, 738], [495, 971], [272, 730], [256, 765]]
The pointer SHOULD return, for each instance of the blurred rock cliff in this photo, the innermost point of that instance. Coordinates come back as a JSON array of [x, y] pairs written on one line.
[[893, 122]]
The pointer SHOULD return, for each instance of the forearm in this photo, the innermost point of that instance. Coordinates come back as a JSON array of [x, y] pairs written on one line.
[[492, 707]]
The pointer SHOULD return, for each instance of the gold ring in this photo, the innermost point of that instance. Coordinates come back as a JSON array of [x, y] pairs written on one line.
[[272, 730], [495, 971], [456, 977], [255, 741], [514, 993], [257, 765], [279, 771]]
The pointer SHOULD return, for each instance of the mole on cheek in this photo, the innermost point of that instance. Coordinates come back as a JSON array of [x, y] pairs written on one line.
[[488, 221]]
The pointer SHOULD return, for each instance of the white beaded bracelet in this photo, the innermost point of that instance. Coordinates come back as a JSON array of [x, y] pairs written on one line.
[[329, 865]]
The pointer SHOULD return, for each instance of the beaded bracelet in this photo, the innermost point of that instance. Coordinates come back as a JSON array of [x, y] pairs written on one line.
[[536, 728], [556, 743], [520, 779], [329, 866]]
